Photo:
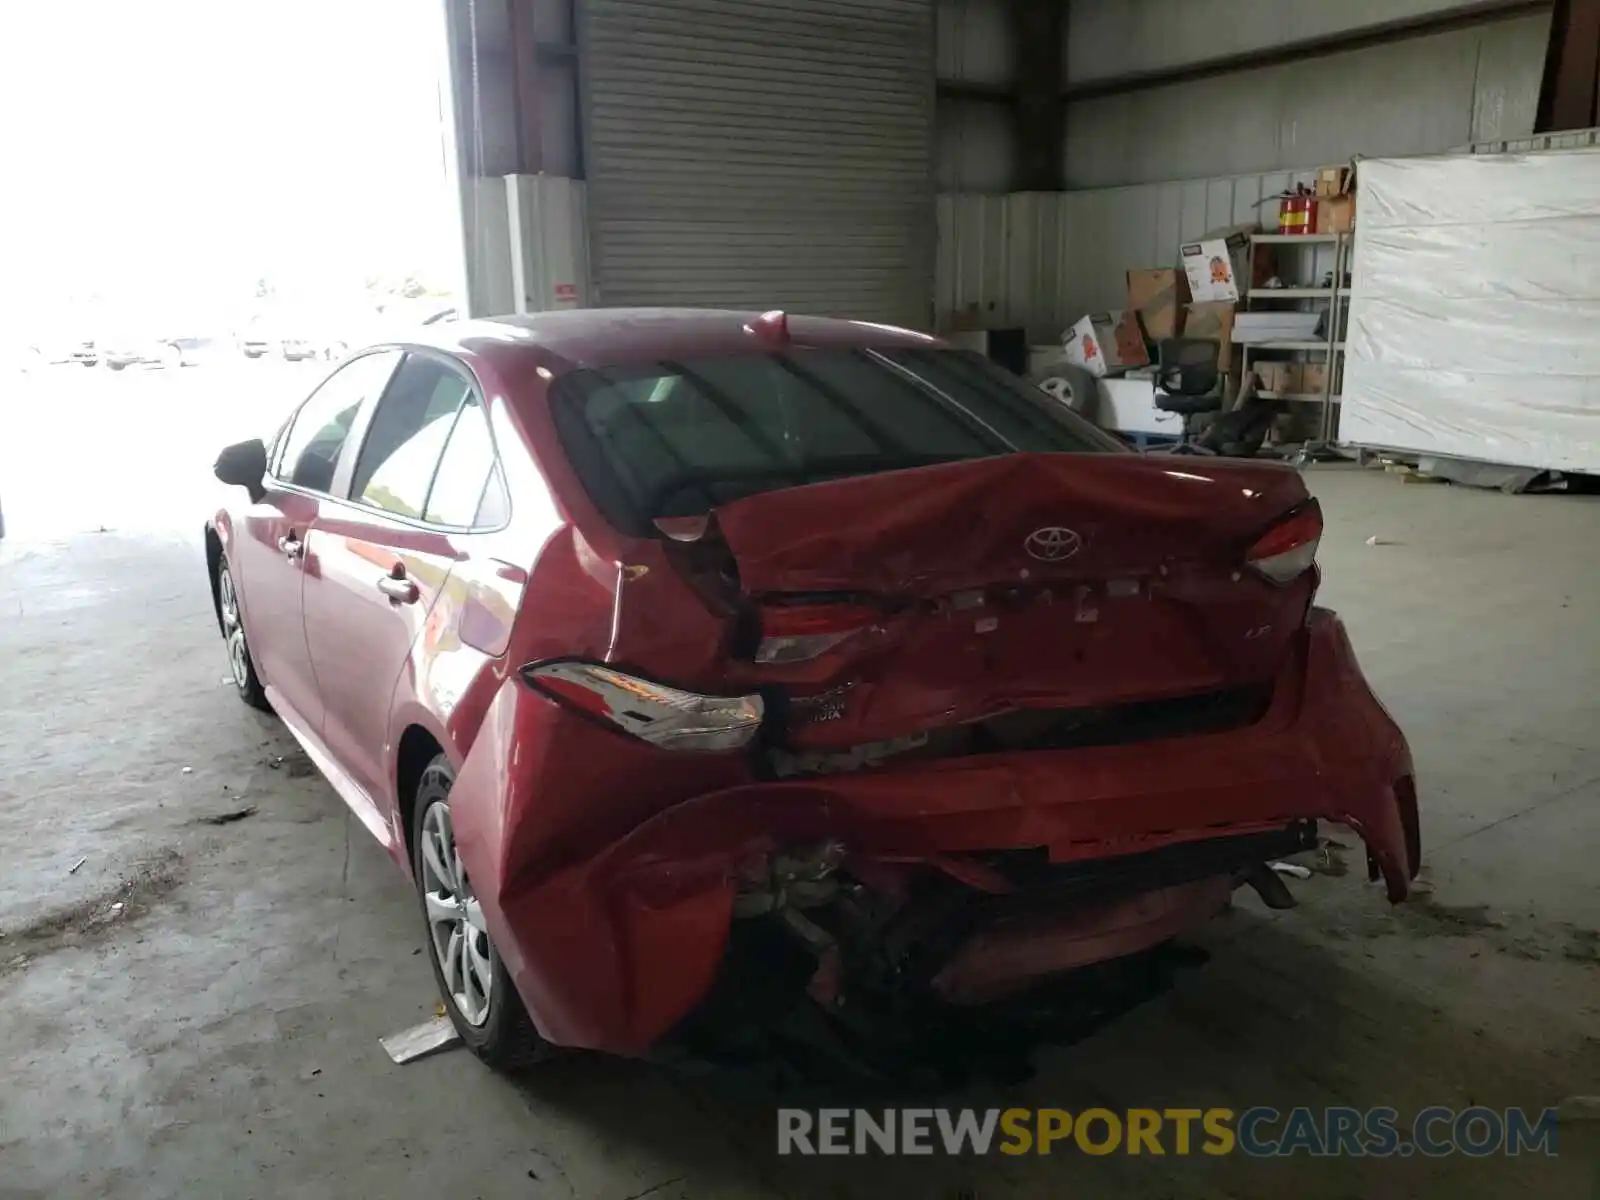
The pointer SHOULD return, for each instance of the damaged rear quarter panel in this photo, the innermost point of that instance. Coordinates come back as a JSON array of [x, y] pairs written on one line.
[[534, 854]]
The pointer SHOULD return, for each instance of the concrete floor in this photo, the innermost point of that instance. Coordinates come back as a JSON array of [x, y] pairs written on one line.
[[218, 1035]]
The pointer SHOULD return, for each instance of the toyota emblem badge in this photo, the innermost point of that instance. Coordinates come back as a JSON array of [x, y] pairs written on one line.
[[1053, 543]]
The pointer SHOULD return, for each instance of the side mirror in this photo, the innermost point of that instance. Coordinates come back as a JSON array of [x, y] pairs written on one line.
[[244, 464]]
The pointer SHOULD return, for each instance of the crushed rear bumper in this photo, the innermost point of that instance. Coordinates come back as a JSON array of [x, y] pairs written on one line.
[[611, 947]]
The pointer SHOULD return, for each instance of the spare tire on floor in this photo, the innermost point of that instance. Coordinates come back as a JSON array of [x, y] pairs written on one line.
[[1072, 385]]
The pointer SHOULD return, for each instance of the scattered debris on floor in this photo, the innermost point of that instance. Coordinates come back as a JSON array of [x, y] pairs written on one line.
[[1294, 869], [188, 770], [419, 1041], [229, 817], [296, 766], [96, 916], [73, 869]]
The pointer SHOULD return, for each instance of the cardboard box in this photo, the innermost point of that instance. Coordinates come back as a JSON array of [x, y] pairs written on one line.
[[1214, 320], [1337, 214], [1219, 267], [1313, 376], [1332, 181], [1104, 343], [1269, 376], [1211, 270], [1157, 295], [1279, 378]]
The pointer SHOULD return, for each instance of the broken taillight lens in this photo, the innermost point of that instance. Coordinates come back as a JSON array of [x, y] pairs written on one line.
[[799, 632], [1287, 550], [663, 716]]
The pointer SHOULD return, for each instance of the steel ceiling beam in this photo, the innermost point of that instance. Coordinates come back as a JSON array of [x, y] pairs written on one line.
[[1037, 27], [1272, 56]]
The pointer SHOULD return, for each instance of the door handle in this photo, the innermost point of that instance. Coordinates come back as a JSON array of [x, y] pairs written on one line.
[[291, 546], [398, 588]]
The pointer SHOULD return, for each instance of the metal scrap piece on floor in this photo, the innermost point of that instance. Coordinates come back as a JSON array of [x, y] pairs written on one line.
[[433, 1035]]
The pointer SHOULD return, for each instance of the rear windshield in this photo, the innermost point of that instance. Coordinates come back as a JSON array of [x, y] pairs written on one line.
[[675, 439]]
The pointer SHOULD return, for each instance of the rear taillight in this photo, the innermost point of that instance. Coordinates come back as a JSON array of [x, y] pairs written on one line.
[[663, 716], [795, 633], [1287, 550]]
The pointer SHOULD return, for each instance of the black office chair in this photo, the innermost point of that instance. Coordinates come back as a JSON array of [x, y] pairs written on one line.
[[1188, 383]]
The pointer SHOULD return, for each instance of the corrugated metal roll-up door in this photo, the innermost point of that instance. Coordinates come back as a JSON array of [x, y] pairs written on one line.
[[754, 154]]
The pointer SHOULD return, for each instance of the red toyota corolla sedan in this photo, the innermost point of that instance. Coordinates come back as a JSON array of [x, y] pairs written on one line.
[[655, 644]]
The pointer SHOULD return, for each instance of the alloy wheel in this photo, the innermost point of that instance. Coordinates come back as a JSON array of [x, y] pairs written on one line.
[[233, 629], [456, 928]]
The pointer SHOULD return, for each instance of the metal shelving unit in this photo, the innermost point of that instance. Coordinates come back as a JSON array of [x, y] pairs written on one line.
[[1331, 344]]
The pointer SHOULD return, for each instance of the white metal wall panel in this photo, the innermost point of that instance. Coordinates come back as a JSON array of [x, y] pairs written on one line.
[[488, 247], [1004, 259], [976, 148], [974, 41], [549, 242], [1420, 96], [752, 155], [1108, 38], [1043, 259], [1118, 229]]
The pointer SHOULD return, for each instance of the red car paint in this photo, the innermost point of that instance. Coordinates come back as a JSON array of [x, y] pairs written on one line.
[[608, 867]]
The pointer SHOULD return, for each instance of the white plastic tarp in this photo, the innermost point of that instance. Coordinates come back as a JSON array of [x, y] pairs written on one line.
[[1474, 327]]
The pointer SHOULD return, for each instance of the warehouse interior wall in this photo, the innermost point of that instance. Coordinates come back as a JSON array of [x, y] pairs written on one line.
[[1109, 39], [973, 42], [974, 54], [512, 103], [1148, 166], [976, 146], [1137, 153], [1417, 96]]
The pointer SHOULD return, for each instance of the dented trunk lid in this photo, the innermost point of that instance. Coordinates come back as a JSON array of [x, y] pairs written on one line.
[[1024, 581], [933, 530]]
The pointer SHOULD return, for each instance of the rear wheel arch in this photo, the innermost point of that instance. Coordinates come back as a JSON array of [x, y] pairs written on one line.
[[416, 749]]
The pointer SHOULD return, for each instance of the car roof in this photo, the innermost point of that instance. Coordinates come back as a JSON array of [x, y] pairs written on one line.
[[591, 337]]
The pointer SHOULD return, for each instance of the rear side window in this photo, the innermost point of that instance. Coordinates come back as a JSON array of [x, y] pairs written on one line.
[[466, 474], [678, 438], [408, 434], [307, 451]]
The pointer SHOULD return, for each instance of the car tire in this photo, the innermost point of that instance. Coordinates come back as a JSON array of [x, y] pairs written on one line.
[[240, 665], [495, 1027], [115, 366], [1073, 386]]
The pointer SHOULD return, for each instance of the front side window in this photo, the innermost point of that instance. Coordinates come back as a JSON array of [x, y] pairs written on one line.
[[408, 433], [670, 439], [307, 452]]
